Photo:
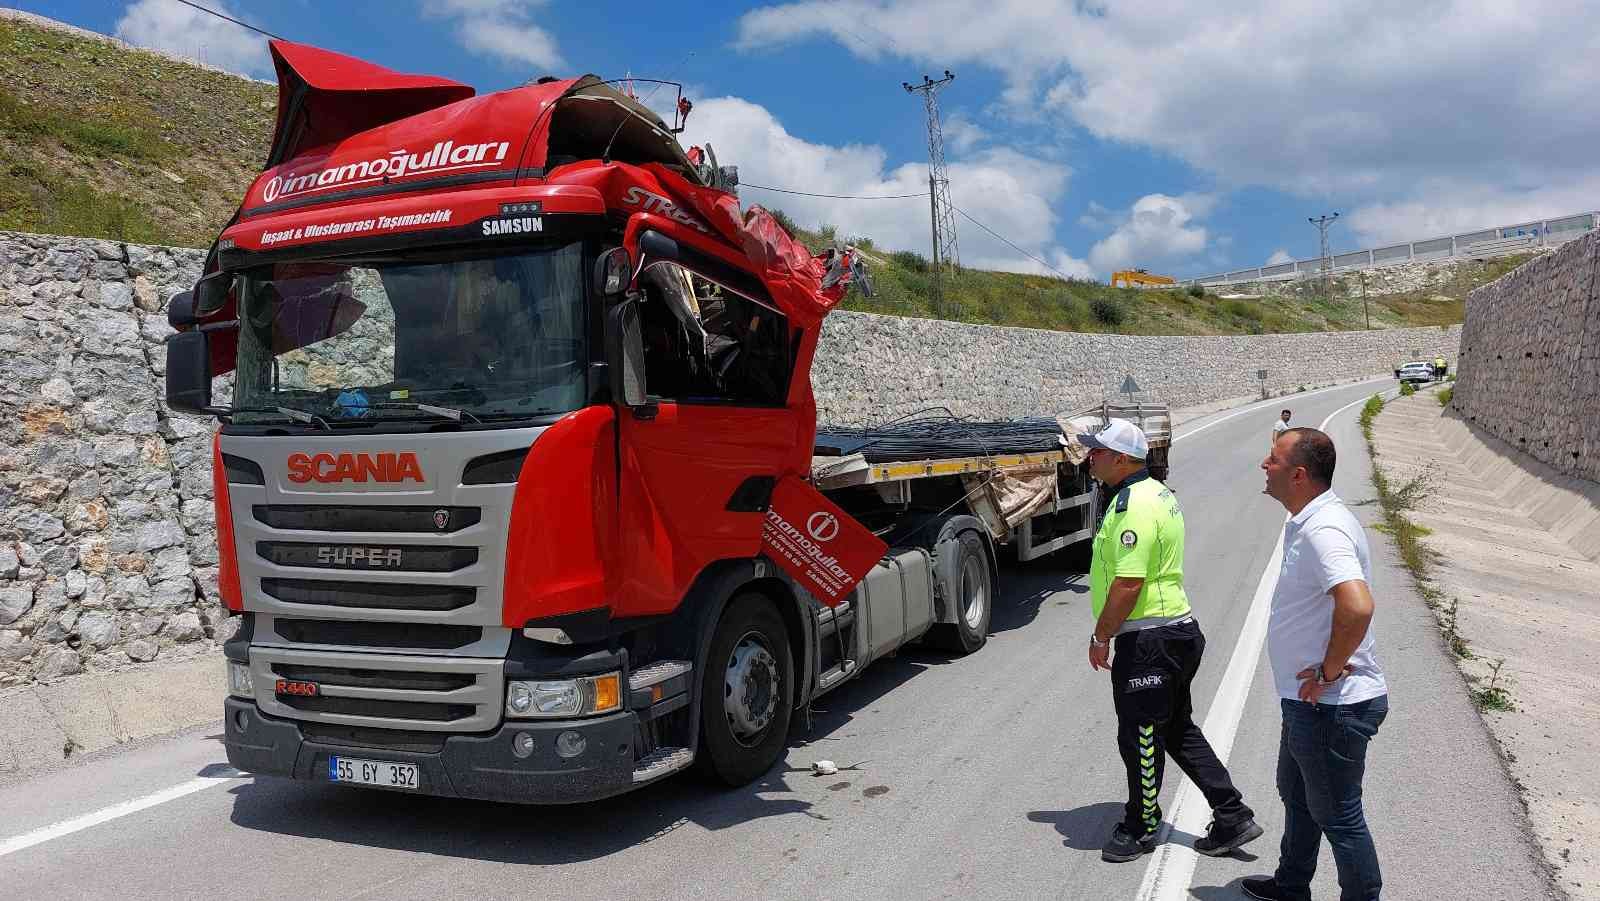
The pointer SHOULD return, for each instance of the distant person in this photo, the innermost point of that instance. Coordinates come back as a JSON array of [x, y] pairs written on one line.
[[1281, 425], [1331, 689], [1136, 592], [1439, 367]]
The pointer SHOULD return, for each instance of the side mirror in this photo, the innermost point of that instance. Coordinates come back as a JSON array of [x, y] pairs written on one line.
[[612, 272], [189, 372], [656, 246], [180, 310], [625, 353], [188, 308]]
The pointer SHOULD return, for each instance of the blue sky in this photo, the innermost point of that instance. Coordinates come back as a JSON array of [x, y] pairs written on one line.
[[1180, 137]]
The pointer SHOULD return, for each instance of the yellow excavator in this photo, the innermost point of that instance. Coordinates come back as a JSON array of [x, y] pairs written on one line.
[[1135, 278]]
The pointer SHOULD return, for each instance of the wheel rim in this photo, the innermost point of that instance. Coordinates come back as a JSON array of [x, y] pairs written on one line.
[[750, 689], [974, 592]]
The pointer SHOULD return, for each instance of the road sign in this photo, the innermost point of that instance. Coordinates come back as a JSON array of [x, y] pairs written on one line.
[[1129, 386]]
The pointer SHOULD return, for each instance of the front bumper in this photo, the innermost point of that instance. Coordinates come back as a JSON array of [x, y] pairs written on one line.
[[456, 766]]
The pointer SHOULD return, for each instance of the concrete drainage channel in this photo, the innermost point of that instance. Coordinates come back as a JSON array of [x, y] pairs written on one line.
[[1512, 551]]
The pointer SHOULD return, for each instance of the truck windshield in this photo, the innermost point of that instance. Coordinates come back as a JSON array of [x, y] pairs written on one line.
[[366, 339]]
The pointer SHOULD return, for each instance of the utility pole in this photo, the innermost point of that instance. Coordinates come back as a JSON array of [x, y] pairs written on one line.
[[941, 211], [1322, 222], [1366, 314]]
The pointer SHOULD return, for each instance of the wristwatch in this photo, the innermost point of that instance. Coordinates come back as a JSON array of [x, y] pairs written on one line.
[[1096, 642], [1322, 681]]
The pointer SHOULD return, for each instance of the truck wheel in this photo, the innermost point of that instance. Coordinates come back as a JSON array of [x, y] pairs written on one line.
[[972, 590], [746, 697]]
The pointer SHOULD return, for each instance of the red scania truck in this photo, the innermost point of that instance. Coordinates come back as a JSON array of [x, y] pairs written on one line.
[[517, 493]]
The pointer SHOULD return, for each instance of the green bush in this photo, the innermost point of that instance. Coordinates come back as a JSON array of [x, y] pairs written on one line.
[[1197, 291], [910, 259], [1444, 396], [1407, 389], [1107, 311]]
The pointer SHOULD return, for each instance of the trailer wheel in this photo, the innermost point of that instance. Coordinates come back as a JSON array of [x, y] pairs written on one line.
[[746, 696], [968, 585]]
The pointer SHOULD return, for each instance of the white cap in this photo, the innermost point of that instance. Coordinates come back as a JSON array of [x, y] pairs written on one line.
[[1121, 436]]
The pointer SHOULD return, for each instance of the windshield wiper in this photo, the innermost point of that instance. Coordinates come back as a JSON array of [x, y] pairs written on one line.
[[286, 412], [442, 412]]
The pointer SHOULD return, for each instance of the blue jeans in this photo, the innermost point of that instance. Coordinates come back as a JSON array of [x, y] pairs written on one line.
[[1322, 755]]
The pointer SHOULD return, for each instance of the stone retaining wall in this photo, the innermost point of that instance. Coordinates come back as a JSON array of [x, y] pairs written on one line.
[[107, 556], [1530, 359]]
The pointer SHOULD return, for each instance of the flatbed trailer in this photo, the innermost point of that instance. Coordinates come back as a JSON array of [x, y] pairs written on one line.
[[947, 520]]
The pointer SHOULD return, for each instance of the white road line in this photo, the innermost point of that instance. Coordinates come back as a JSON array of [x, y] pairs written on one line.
[[1170, 872], [1258, 405], [107, 814]]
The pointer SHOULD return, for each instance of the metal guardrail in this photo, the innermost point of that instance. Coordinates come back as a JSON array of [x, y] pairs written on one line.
[[1490, 242]]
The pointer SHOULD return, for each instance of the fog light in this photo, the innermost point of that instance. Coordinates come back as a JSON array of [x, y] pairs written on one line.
[[241, 720], [522, 744], [570, 744]]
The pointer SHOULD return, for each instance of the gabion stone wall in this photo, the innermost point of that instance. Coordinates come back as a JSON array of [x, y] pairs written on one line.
[[1530, 358]]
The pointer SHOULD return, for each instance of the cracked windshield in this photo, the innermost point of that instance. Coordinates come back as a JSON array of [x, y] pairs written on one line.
[[357, 340]]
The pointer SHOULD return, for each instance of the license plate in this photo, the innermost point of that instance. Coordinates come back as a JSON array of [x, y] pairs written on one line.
[[372, 772]]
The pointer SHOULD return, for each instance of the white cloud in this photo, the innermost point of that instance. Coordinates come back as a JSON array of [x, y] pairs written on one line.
[[961, 134], [1008, 191], [189, 33], [1157, 230], [1279, 256], [1329, 100], [502, 30]]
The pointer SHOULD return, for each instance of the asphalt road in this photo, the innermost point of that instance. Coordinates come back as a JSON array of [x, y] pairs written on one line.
[[992, 776]]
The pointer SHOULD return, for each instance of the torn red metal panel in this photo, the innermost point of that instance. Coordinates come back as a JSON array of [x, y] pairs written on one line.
[[817, 543], [325, 97]]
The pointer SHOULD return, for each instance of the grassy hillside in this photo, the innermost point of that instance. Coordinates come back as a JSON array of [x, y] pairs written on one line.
[[1036, 301], [101, 141]]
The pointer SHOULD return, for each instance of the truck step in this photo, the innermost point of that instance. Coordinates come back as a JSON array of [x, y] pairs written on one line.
[[835, 675], [656, 673], [660, 762]]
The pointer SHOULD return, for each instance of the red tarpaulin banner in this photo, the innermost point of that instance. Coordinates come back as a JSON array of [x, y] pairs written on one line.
[[820, 545]]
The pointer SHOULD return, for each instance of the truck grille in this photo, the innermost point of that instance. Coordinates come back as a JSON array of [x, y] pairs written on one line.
[[372, 707], [371, 558], [373, 678], [390, 692], [361, 634], [369, 595], [346, 518]]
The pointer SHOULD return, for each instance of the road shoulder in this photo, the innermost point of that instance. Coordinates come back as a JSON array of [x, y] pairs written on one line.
[[1521, 597]]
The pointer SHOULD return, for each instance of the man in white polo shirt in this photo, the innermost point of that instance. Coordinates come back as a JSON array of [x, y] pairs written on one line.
[[1332, 691]]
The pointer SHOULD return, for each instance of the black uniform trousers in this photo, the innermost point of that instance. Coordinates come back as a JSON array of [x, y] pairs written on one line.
[[1151, 673]]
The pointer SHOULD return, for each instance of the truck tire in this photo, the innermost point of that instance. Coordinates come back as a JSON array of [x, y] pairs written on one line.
[[746, 697], [967, 582]]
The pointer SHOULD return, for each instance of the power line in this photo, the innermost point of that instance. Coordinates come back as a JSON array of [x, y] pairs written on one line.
[[1003, 240], [968, 216], [228, 18], [834, 196]]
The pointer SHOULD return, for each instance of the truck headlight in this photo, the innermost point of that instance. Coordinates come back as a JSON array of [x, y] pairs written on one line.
[[548, 698], [239, 684]]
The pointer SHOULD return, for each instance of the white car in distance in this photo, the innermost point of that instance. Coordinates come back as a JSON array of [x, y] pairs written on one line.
[[1417, 373]]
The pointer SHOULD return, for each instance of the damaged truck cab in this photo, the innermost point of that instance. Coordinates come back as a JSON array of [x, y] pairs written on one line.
[[514, 486]]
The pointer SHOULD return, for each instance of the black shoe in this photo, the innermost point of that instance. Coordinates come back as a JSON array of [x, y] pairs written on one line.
[[1123, 846], [1266, 888], [1220, 840]]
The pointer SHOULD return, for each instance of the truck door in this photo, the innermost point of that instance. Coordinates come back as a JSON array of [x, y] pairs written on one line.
[[717, 367]]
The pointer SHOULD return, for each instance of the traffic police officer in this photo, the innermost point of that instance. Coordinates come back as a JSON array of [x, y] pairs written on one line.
[[1136, 588]]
